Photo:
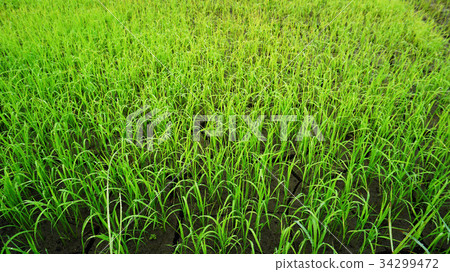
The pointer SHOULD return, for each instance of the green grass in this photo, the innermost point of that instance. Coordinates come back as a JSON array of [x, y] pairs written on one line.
[[376, 80]]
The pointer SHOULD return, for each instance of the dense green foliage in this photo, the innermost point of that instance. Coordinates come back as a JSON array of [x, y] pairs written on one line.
[[375, 79]]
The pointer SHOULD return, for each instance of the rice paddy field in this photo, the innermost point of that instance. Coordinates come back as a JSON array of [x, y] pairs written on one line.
[[326, 128]]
